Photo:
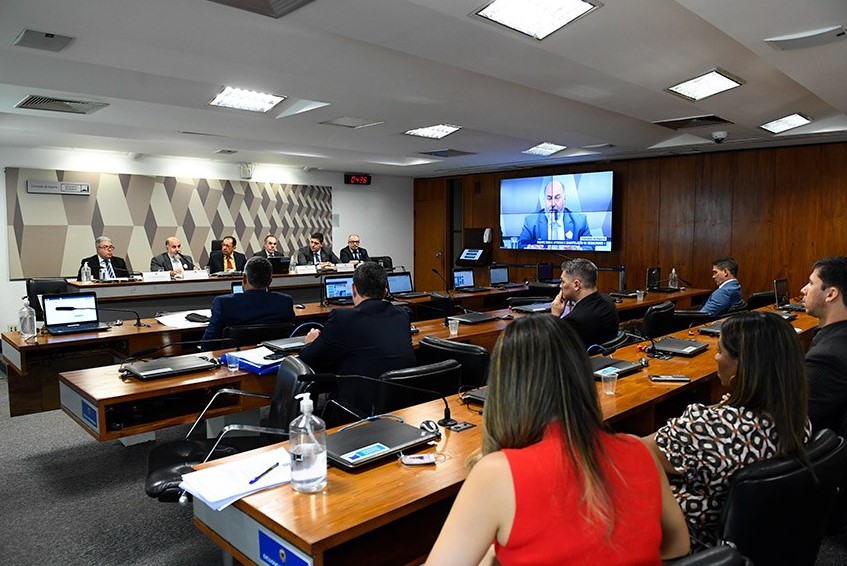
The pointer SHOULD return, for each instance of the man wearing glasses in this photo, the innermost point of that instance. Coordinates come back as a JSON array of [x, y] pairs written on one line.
[[353, 253], [112, 267]]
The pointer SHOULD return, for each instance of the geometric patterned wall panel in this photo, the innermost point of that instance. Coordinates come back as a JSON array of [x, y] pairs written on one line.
[[49, 234]]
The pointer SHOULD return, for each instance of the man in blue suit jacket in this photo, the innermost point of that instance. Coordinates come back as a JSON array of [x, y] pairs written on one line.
[[553, 222], [256, 305], [728, 293], [370, 339]]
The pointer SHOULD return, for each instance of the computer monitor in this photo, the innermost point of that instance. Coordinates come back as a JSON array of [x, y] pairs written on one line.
[[338, 287], [780, 292], [498, 274], [544, 271], [462, 278], [654, 277], [400, 283]]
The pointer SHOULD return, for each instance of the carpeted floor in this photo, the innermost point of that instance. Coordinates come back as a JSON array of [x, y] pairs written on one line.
[[68, 499]]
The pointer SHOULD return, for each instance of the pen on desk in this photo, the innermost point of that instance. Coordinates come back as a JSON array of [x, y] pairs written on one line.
[[260, 476]]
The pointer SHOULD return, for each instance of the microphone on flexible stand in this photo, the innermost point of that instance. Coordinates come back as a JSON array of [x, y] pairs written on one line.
[[98, 308], [448, 420], [198, 343], [443, 280]]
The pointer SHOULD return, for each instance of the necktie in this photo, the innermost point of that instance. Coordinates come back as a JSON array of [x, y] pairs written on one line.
[[109, 271], [229, 266], [317, 258], [356, 255]]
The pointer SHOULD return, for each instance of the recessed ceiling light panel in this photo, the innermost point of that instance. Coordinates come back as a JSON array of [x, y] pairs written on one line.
[[704, 86], [434, 132], [786, 123], [536, 18], [241, 99], [545, 149]]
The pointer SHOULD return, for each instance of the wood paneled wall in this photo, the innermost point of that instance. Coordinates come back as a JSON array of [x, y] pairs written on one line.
[[775, 210]]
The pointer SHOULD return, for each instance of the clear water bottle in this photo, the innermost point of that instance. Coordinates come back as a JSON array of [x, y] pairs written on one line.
[[26, 321], [85, 273], [307, 444], [673, 279]]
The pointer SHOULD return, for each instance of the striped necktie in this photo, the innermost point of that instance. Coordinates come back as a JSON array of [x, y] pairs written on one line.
[[110, 273]]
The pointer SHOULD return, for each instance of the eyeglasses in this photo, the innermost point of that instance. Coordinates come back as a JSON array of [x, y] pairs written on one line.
[[106, 247], [352, 241]]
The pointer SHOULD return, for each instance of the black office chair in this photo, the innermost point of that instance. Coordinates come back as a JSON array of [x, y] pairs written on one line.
[[252, 334], [384, 260], [549, 290], [776, 511], [438, 306], [519, 301], [473, 359], [760, 299], [37, 287], [441, 377], [722, 555], [608, 348], [658, 320], [167, 462], [683, 319]]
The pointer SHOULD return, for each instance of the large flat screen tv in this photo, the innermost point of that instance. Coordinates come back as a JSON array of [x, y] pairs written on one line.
[[558, 212]]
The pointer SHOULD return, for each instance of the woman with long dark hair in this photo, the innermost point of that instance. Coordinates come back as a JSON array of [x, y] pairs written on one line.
[[764, 415], [553, 486]]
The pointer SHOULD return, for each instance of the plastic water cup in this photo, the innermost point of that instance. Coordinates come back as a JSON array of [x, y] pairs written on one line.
[[610, 383], [232, 363], [454, 327], [639, 295]]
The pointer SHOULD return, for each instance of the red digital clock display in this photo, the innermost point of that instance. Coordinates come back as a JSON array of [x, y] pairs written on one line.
[[357, 179]]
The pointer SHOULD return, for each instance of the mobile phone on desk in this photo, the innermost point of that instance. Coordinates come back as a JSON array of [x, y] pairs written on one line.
[[669, 378]]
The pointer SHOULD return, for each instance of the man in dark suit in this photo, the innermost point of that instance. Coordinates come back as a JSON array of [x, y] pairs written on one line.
[[256, 305], [315, 253], [353, 253], [371, 338], [269, 247], [228, 259], [104, 259], [593, 316], [173, 260], [553, 222]]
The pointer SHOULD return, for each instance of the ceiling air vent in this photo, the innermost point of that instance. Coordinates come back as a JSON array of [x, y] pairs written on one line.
[[447, 153], [42, 40], [49, 104], [271, 8], [693, 122]]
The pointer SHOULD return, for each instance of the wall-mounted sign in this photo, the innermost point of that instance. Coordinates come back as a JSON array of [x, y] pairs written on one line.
[[57, 188]]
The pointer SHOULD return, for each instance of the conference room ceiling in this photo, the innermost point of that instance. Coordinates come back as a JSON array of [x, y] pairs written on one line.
[[596, 86]]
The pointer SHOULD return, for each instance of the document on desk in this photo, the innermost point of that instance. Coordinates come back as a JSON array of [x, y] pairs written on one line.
[[261, 360], [178, 320], [220, 486]]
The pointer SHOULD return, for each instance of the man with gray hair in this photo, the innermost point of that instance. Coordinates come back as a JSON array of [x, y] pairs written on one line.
[[593, 316], [553, 223], [105, 260]]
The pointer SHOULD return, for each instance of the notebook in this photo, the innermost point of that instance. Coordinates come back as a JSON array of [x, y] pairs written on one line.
[[285, 344], [67, 313], [499, 277], [166, 367], [280, 265], [603, 365], [338, 289], [678, 346], [400, 285], [368, 442], [463, 281], [472, 317]]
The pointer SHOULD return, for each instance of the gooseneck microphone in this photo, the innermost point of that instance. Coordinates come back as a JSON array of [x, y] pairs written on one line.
[[331, 377], [148, 351], [99, 308], [443, 280]]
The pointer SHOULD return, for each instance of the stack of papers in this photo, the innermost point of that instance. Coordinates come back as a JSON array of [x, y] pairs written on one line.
[[220, 486], [178, 320]]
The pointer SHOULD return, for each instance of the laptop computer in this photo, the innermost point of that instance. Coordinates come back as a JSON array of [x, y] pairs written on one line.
[[285, 344], [472, 317], [713, 329], [167, 367], [477, 396], [280, 265], [237, 287], [604, 365], [678, 346], [338, 289], [67, 313], [533, 308], [544, 273], [654, 279], [498, 275], [400, 285], [463, 281], [360, 445], [782, 298]]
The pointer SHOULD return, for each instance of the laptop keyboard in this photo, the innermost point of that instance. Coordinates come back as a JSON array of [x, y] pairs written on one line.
[[472, 289]]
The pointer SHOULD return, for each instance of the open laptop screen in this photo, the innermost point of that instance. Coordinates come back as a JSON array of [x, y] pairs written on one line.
[[70, 308], [338, 287], [499, 274], [462, 278], [237, 287], [400, 283], [780, 291]]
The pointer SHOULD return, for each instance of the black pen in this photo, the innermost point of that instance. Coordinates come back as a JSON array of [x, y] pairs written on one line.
[[260, 476]]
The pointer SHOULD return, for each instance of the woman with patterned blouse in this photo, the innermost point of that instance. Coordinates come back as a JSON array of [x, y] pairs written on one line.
[[764, 415]]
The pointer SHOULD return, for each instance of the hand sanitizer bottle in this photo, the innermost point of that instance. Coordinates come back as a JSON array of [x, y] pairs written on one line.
[[307, 444], [673, 280], [26, 321], [85, 274]]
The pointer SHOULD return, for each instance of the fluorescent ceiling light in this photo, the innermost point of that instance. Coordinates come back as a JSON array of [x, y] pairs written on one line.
[[536, 18], [241, 99], [704, 86], [434, 132], [786, 123], [545, 149]]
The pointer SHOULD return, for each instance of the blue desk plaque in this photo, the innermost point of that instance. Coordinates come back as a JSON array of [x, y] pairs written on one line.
[[276, 553], [89, 413]]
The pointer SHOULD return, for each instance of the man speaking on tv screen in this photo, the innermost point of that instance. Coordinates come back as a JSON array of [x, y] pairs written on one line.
[[553, 223]]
